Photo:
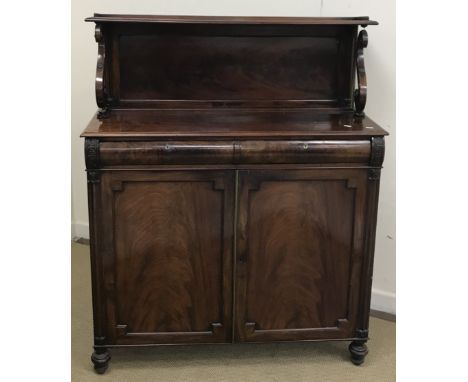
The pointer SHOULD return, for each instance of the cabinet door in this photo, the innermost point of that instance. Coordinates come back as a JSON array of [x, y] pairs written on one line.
[[167, 256], [299, 254]]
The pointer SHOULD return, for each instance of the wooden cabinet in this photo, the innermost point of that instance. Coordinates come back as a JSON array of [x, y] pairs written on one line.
[[232, 198]]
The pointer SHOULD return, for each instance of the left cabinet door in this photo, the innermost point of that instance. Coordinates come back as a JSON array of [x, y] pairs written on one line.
[[165, 250]]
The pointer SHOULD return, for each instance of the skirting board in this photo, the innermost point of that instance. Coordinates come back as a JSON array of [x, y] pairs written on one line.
[[381, 300], [80, 230]]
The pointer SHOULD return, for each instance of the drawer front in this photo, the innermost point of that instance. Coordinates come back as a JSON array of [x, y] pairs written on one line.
[[171, 152], [304, 152], [234, 152]]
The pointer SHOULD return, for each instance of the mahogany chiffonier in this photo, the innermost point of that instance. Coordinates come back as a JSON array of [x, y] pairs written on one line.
[[233, 181]]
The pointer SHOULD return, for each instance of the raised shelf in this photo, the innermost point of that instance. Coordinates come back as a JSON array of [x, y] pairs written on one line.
[[103, 18]]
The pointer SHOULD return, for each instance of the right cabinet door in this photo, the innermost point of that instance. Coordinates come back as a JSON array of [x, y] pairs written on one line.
[[299, 253]]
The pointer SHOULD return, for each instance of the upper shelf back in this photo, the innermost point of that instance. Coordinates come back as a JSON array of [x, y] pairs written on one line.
[[173, 62]]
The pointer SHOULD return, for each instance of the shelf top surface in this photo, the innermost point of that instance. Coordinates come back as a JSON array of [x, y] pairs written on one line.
[[230, 124], [246, 20]]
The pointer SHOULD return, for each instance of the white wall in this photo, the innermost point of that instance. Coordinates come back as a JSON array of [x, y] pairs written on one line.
[[380, 65]]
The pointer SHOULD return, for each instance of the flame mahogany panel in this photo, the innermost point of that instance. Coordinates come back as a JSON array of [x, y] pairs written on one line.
[[168, 285], [299, 254], [170, 240], [179, 65], [227, 68], [300, 236]]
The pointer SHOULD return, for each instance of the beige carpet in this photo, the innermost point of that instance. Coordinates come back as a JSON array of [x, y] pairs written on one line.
[[269, 362]]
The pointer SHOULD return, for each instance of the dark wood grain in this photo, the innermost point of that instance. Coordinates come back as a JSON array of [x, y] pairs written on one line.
[[232, 184], [168, 286], [231, 123], [292, 271], [228, 68], [176, 290], [231, 65], [233, 152], [299, 248]]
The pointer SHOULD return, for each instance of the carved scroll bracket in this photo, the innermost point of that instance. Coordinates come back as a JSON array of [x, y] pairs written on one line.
[[92, 159], [360, 94], [377, 151], [377, 157], [374, 174], [94, 176], [100, 71], [92, 153]]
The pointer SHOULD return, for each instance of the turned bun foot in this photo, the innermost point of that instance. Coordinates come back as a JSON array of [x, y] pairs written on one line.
[[358, 350], [100, 359]]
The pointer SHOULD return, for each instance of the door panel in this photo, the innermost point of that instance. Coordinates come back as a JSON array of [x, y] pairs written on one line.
[[299, 253], [171, 261]]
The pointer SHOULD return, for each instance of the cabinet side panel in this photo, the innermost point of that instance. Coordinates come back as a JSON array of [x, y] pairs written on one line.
[[168, 248]]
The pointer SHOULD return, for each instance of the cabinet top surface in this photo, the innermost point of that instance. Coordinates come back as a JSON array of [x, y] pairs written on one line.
[[360, 20], [221, 124]]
